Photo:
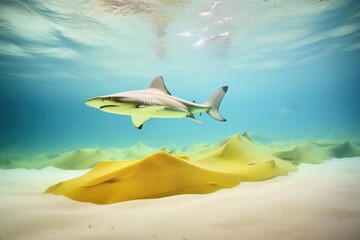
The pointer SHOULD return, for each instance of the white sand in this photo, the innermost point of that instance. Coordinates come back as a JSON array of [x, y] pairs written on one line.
[[317, 202]]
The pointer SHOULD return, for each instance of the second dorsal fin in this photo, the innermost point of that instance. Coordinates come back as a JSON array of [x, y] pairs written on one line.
[[158, 83]]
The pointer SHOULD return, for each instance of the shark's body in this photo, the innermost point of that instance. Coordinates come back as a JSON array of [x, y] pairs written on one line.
[[156, 102]]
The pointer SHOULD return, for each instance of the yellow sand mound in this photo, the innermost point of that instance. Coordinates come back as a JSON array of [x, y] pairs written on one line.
[[307, 152], [83, 158], [239, 155], [343, 149], [237, 159], [78, 159], [158, 175], [314, 153], [137, 151]]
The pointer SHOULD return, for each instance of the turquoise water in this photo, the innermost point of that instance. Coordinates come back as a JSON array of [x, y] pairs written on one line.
[[292, 68]]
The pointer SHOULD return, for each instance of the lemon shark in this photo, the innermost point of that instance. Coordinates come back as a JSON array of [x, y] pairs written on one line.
[[156, 102]]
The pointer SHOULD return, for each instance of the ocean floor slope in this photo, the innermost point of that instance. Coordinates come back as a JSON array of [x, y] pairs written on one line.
[[143, 172]]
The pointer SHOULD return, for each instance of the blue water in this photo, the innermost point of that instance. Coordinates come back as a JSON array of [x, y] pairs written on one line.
[[292, 67]]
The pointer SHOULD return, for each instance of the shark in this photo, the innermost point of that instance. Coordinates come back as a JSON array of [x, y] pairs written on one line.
[[157, 102]]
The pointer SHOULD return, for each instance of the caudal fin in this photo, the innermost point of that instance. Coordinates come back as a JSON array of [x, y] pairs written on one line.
[[214, 103]]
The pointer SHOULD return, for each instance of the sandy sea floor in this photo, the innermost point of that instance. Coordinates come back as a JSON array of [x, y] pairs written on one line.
[[316, 202]]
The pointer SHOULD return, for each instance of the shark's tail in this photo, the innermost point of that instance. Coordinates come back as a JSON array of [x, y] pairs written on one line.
[[214, 103]]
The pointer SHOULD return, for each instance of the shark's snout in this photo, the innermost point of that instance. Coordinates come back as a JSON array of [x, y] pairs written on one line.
[[95, 102]]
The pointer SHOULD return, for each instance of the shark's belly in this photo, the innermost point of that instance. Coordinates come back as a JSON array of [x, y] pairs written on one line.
[[150, 111], [169, 113]]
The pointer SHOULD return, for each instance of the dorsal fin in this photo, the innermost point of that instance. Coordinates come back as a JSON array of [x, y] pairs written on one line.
[[158, 83]]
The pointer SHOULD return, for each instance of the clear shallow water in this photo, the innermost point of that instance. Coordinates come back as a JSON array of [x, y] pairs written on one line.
[[292, 68]]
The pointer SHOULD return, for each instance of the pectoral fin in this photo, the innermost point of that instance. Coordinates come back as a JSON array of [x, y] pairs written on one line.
[[139, 120], [144, 113]]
